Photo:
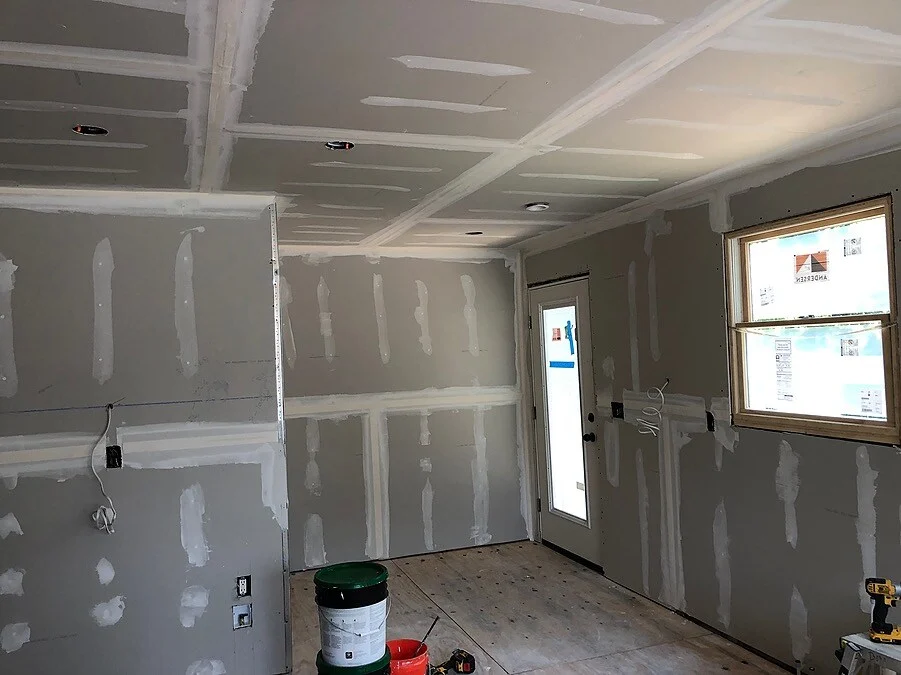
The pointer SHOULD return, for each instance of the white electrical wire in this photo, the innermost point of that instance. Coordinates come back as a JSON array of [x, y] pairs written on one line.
[[104, 516], [653, 426]]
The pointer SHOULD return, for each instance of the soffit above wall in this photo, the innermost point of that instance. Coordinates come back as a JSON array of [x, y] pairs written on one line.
[[462, 111]]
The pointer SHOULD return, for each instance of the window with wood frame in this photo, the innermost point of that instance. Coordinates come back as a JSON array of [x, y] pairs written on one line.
[[812, 317]]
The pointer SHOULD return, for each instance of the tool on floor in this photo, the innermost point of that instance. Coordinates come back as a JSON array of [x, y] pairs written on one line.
[[460, 662], [885, 594], [427, 633]]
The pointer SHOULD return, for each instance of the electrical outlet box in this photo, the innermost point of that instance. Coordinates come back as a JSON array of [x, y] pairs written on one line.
[[619, 412], [711, 422], [114, 457], [242, 616], [243, 586]]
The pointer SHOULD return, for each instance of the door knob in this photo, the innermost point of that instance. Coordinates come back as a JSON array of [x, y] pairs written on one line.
[[589, 437]]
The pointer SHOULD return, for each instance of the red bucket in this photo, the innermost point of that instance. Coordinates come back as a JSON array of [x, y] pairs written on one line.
[[408, 658]]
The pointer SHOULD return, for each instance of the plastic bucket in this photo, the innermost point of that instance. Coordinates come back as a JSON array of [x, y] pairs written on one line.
[[353, 608], [408, 658], [380, 667]]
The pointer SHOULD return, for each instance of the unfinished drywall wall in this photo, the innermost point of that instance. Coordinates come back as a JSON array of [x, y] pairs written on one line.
[[768, 536], [402, 394], [172, 319]]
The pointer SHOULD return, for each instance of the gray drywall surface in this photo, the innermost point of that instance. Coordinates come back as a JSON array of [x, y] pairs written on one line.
[[358, 365], [369, 499], [60, 393], [328, 484], [447, 464], [825, 566]]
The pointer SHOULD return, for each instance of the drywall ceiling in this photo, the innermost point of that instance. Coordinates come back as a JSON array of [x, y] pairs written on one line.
[[462, 111]]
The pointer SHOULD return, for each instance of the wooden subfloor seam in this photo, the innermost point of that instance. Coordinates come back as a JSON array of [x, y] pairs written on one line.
[[452, 620], [602, 656]]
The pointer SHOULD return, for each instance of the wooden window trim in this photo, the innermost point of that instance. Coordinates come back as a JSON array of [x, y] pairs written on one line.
[[739, 313]]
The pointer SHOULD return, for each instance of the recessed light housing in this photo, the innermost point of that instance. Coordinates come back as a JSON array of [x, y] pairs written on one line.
[[89, 130], [474, 233], [339, 145], [534, 207]]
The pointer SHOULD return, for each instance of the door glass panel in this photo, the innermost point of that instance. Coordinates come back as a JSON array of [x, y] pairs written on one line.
[[566, 455]]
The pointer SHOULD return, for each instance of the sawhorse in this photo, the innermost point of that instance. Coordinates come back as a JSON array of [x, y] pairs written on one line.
[[858, 650]]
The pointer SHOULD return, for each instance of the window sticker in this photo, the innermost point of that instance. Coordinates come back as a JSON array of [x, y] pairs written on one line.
[[766, 296], [851, 347], [853, 246], [871, 402], [784, 370], [811, 267]]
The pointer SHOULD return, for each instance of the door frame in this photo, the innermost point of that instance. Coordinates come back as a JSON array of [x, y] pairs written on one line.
[[591, 458]]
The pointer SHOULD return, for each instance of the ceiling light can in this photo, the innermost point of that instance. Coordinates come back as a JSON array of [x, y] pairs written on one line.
[[535, 207], [339, 145], [474, 233], [89, 130]]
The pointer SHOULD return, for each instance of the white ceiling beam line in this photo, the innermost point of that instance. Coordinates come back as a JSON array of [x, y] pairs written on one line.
[[315, 253], [449, 106], [332, 233], [170, 6], [466, 67], [584, 10], [573, 195], [301, 241], [462, 235], [200, 20], [396, 139], [337, 229], [536, 216], [347, 186], [239, 26], [855, 44], [491, 222], [757, 94], [104, 61], [57, 107], [376, 167], [133, 202], [870, 137], [582, 176], [648, 66], [308, 216], [617, 152], [51, 168], [690, 125], [72, 142], [348, 207]]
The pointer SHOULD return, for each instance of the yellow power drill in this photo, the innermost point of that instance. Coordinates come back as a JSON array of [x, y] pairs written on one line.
[[885, 594]]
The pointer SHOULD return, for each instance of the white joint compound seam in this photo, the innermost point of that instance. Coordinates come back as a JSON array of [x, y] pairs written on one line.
[[449, 398], [866, 521], [103, 311], [9, 379], [193, 538], [185, 318], [156, 446]]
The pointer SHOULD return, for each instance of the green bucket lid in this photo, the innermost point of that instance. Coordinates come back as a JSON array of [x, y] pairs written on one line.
[[351, 576], [376, 668]]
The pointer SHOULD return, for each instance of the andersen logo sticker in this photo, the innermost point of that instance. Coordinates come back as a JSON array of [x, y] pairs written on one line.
[[812, 267]]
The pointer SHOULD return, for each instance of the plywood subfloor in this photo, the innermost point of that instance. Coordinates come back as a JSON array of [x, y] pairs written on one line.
[[522, 608]]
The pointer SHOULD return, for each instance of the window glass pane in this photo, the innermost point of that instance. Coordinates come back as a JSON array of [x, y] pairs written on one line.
[[826, 370], [566, 454], [828, 272]]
